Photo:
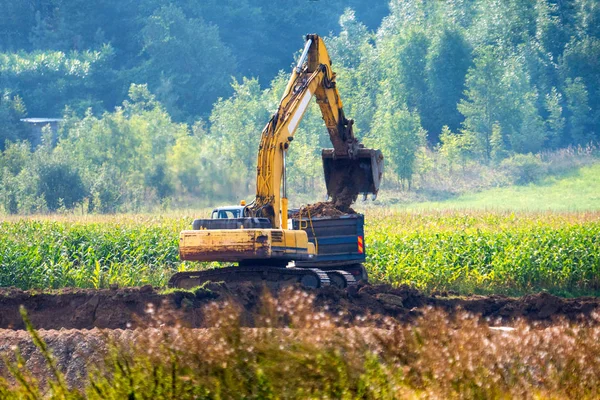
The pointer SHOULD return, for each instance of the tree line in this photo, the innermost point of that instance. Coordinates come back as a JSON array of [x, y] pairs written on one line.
[[167, 107]]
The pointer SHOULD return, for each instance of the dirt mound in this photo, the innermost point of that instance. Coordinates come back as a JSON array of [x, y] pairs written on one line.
[[126, 308], [77, 308], [324, 209]]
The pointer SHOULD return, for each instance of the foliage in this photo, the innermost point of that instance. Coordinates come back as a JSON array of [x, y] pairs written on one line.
[[12, 110], [46, 81], [163, 106], [524, 168], [400, 133], [96, 253], [184, 51], [182, 54]]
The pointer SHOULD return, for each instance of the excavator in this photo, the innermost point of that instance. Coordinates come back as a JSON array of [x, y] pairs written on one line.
[[314, 252]]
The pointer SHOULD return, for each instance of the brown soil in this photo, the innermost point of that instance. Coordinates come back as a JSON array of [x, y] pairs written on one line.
[[126, 308], [324, 209]]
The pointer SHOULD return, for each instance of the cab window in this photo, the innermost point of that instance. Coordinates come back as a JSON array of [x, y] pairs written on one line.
[[223, 214], [228, 214]]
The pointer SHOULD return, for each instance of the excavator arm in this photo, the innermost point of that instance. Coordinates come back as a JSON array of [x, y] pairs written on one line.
[[349, 168]]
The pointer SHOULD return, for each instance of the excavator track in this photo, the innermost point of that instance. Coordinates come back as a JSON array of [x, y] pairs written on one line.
[[341, 279], [272, 276]]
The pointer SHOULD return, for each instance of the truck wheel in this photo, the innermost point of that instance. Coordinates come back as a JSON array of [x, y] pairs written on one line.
[[360, 273]]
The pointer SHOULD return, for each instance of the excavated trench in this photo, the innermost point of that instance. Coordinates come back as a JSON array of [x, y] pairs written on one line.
[[126, 307]]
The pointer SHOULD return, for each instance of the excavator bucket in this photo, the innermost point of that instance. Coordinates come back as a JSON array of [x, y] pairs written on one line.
[[347, 177]]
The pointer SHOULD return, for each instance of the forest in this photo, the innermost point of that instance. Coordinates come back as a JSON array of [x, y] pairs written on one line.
[[162, 103]]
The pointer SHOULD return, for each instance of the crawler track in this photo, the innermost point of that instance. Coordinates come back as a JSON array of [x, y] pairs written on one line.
[[271, 276]]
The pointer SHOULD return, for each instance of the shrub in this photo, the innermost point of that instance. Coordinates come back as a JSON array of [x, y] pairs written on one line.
[[524, 168]]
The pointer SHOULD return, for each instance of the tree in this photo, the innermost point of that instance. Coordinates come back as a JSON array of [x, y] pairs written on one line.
[[236, 123], [497, 143], [400, 135], [346, 48], [581, 61], [499, 91], [531, 135], [412, 61], [12, 109], [484, 97], [503, 23], [555, 122], [551, 32], [191, 54], [59, 184], [455, 148], [196, 172], [448, 61], [579, 111], [358, 70]]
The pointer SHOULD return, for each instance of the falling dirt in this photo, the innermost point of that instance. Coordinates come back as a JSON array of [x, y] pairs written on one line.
[[126, 308], [324, 209], [342, 184], [343, 191]]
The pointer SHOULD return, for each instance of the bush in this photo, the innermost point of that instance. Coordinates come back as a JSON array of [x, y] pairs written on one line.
[[524, 168]]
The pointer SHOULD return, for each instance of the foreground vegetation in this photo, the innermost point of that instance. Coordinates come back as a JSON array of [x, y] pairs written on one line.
[[461, 251], [436, 357]]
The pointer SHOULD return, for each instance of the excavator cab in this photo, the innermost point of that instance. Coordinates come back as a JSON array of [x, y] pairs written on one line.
[[348, 176]]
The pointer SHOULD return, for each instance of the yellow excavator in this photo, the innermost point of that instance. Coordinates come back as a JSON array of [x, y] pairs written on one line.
[[258, 237]]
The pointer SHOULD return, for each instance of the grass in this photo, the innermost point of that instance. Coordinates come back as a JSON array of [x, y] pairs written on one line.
[[298, 353], [576, 191]]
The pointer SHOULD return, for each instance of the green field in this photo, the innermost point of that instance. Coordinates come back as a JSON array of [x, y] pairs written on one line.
[[577, 191], [460, 251]]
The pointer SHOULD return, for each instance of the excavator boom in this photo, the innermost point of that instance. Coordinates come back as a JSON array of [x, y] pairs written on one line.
[[350, 169]]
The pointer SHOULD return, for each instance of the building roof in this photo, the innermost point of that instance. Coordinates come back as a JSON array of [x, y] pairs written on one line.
[[41, 120]]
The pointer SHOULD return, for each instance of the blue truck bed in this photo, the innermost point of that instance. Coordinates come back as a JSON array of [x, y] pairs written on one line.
[[338, 240]]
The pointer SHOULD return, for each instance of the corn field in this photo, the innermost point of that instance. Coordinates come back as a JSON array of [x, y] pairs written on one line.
[[462, 252]]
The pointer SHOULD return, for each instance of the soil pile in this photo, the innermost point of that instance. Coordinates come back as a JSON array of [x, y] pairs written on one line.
[[323, 209], [126, 308]]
